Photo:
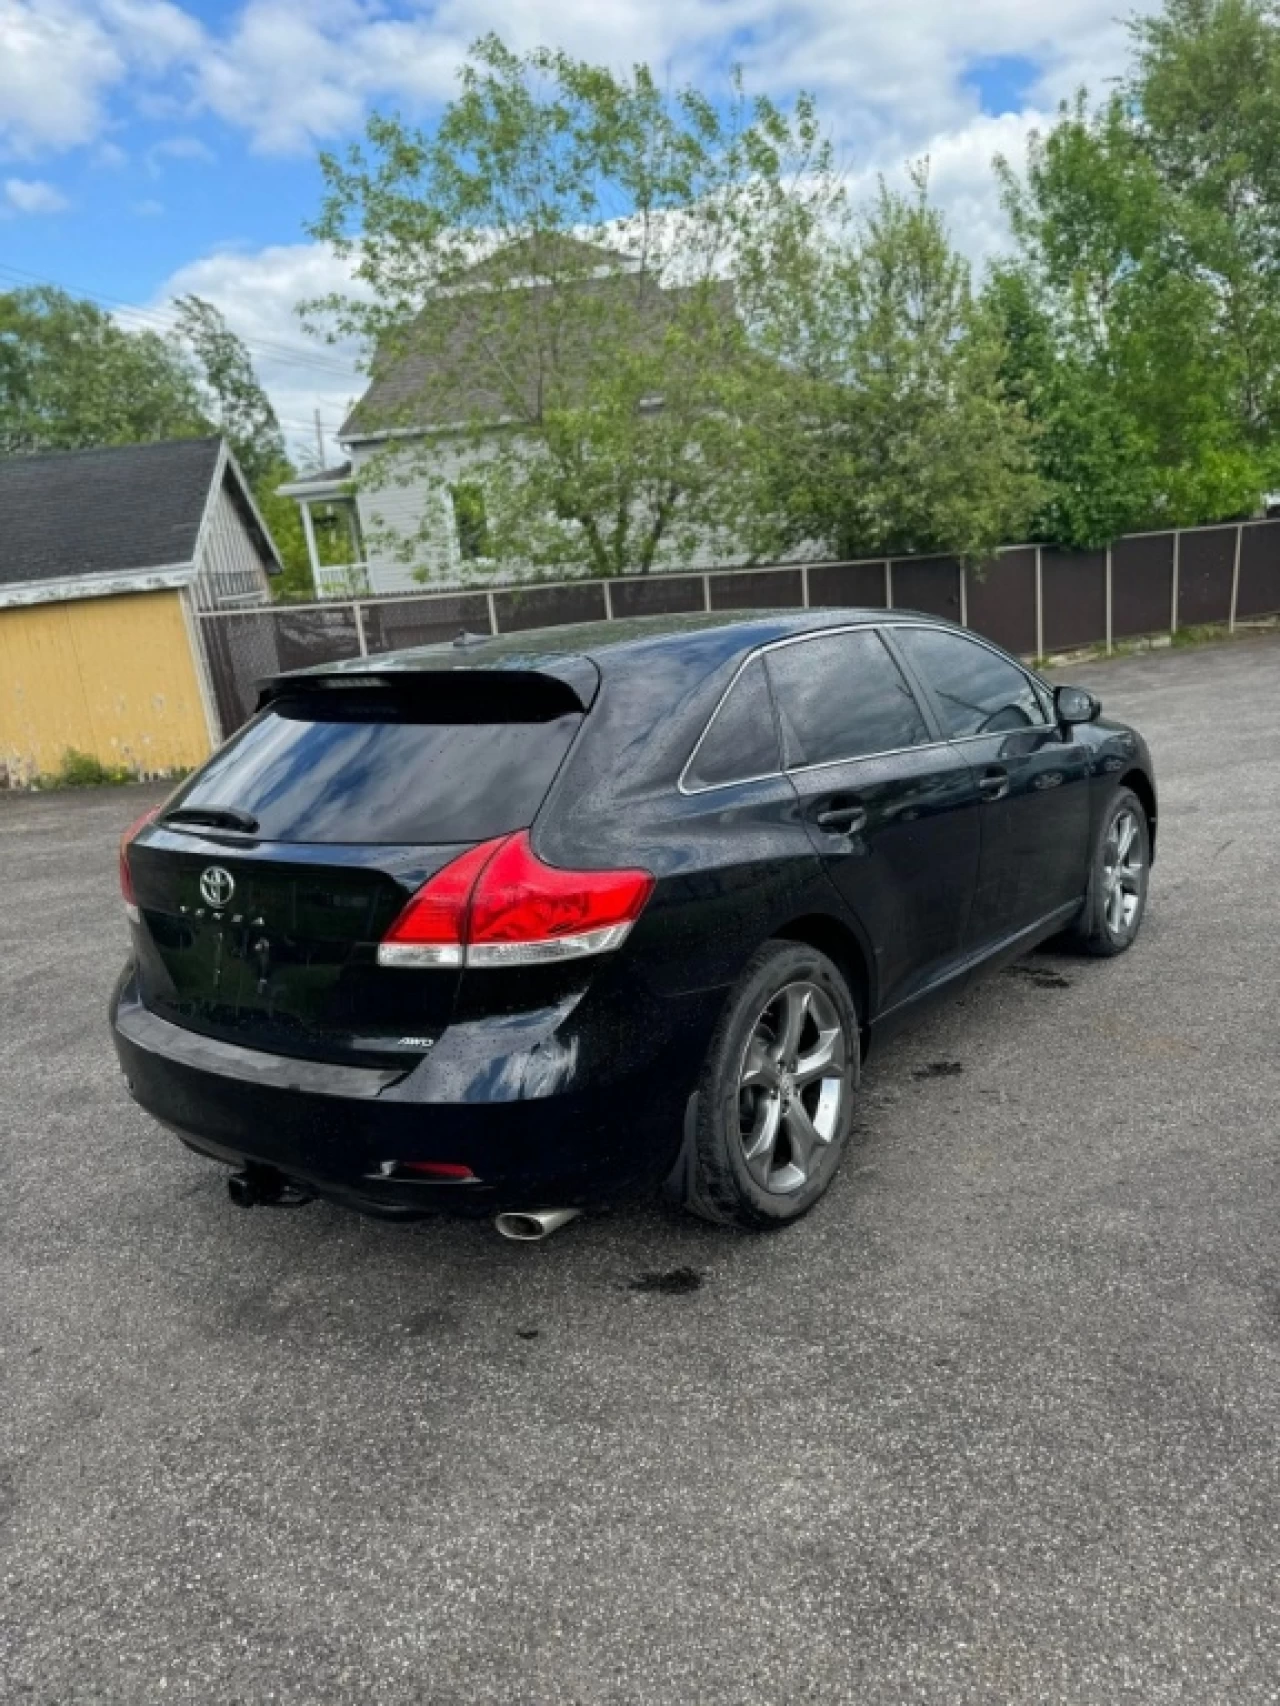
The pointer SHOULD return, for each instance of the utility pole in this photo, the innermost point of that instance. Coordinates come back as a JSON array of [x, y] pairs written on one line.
[[319, 439]]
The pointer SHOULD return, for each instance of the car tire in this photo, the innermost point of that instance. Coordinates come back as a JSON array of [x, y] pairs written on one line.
[[774, 1108], [1118, 877]]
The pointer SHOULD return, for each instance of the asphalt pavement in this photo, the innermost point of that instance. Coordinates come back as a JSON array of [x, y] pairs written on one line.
[[997, 1423]]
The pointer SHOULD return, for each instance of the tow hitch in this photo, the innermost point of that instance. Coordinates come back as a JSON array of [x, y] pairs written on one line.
[[256, 1186]]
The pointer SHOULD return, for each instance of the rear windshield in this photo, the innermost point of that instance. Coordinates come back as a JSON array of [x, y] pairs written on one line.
[[357, 768]]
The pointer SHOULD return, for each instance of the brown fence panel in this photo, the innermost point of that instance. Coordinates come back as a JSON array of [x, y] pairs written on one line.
[[549, 606], [244, 647], [774, 589], [423, 621], [240, 648], [1206, 565], [1260, 571], [929, 584], [855, 586], [1142, 585], [314, 636], [658, 595], [1001, 602], [1074, 585]]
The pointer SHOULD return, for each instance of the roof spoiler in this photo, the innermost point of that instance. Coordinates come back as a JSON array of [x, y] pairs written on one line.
[[503, 690]]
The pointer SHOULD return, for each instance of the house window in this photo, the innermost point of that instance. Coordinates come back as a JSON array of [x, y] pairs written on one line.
[[471, 520]]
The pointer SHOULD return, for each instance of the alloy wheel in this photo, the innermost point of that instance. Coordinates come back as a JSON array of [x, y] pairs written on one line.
[[792, 1087], [1123, 873]]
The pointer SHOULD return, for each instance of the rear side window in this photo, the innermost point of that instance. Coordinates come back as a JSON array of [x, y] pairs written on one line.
[[843, 696], [978, 691], [741, 741], [376, 768]]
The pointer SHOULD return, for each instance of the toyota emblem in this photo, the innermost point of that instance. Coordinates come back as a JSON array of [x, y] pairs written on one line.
[[217, 885]]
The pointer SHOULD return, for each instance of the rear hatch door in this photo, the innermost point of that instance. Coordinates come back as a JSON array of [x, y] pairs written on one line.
[[266, 884]]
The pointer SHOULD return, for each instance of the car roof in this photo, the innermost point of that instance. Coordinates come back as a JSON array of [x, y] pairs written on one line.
[[611, 646]]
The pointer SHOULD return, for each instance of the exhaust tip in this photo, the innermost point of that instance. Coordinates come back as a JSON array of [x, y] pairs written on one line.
[[532, 1226]]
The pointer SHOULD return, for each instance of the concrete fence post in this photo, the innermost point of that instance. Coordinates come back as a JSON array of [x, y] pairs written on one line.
[[1235, 577], [361, 641], [1040, 652]]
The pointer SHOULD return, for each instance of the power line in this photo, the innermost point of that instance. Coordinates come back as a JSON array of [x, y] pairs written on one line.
[[285, 355]]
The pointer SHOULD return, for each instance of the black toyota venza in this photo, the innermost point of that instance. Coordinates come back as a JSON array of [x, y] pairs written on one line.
[[538, 922]]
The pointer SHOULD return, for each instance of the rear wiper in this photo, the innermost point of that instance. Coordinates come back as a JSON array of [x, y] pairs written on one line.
[[217, 817]]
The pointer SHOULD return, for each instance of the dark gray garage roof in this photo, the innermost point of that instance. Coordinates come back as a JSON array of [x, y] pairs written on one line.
[[84, 512]]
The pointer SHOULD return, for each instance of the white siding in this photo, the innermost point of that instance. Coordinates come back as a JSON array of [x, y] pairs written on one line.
[[402, 509], [231, 571]]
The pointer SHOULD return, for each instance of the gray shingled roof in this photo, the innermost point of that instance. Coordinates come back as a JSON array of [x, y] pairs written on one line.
[[83, 512], [446, 373]]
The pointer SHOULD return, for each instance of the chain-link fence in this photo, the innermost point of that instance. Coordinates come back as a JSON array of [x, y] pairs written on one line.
[[1031, 599]]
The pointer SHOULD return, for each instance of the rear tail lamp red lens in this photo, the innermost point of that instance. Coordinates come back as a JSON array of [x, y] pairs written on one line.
[[500, 905], [126, 875]]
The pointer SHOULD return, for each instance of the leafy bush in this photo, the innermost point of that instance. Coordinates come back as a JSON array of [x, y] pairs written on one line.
[[83, 770]]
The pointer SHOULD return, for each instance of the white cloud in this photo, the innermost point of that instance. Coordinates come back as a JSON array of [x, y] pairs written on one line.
[[258, 293], [177, 148], [60, 60], [885, 73], [156, 33], [893, 82], [30, 195], [148, 209], [962, 182], [55, 65], [294, 73], [183, 148]]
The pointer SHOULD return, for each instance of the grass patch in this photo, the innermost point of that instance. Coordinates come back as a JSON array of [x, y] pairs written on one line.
[[82, 770]]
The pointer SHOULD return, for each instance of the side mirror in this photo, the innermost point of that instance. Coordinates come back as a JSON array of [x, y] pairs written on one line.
[[1076, 705]]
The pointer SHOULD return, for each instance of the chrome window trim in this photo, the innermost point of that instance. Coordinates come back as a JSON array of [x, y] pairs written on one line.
[[875, 624]]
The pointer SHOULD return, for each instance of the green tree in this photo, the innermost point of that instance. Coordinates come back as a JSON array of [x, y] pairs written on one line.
[[580, 257], [234, 398], [1206, 84], [1142, 309], [239, 408], [72, 378], [897, 434]]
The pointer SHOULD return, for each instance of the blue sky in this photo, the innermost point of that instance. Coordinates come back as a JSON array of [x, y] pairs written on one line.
[[149, 146]]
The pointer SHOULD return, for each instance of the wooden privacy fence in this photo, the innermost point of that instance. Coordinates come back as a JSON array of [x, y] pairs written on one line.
[[1033, 600]]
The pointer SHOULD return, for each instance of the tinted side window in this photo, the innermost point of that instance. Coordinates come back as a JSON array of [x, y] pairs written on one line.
[[843, 696], [978, 692], [742, 740]]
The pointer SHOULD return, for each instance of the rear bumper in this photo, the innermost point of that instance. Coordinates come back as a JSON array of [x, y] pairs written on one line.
[[563, 1107]]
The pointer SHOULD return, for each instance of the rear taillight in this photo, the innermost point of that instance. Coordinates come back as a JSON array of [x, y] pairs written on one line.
[[499, 905], [126, 875]]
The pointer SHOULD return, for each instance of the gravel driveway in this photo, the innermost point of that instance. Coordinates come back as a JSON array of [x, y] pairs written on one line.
[[998, 1423]]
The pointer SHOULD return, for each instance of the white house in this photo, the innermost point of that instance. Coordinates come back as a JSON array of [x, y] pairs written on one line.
[[430, 397]]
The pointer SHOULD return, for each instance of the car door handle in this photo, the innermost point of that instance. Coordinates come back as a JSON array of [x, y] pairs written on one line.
[[842, 820], [993, 784]]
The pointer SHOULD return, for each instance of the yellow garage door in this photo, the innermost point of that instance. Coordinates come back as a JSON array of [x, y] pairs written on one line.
[[113, 677]]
